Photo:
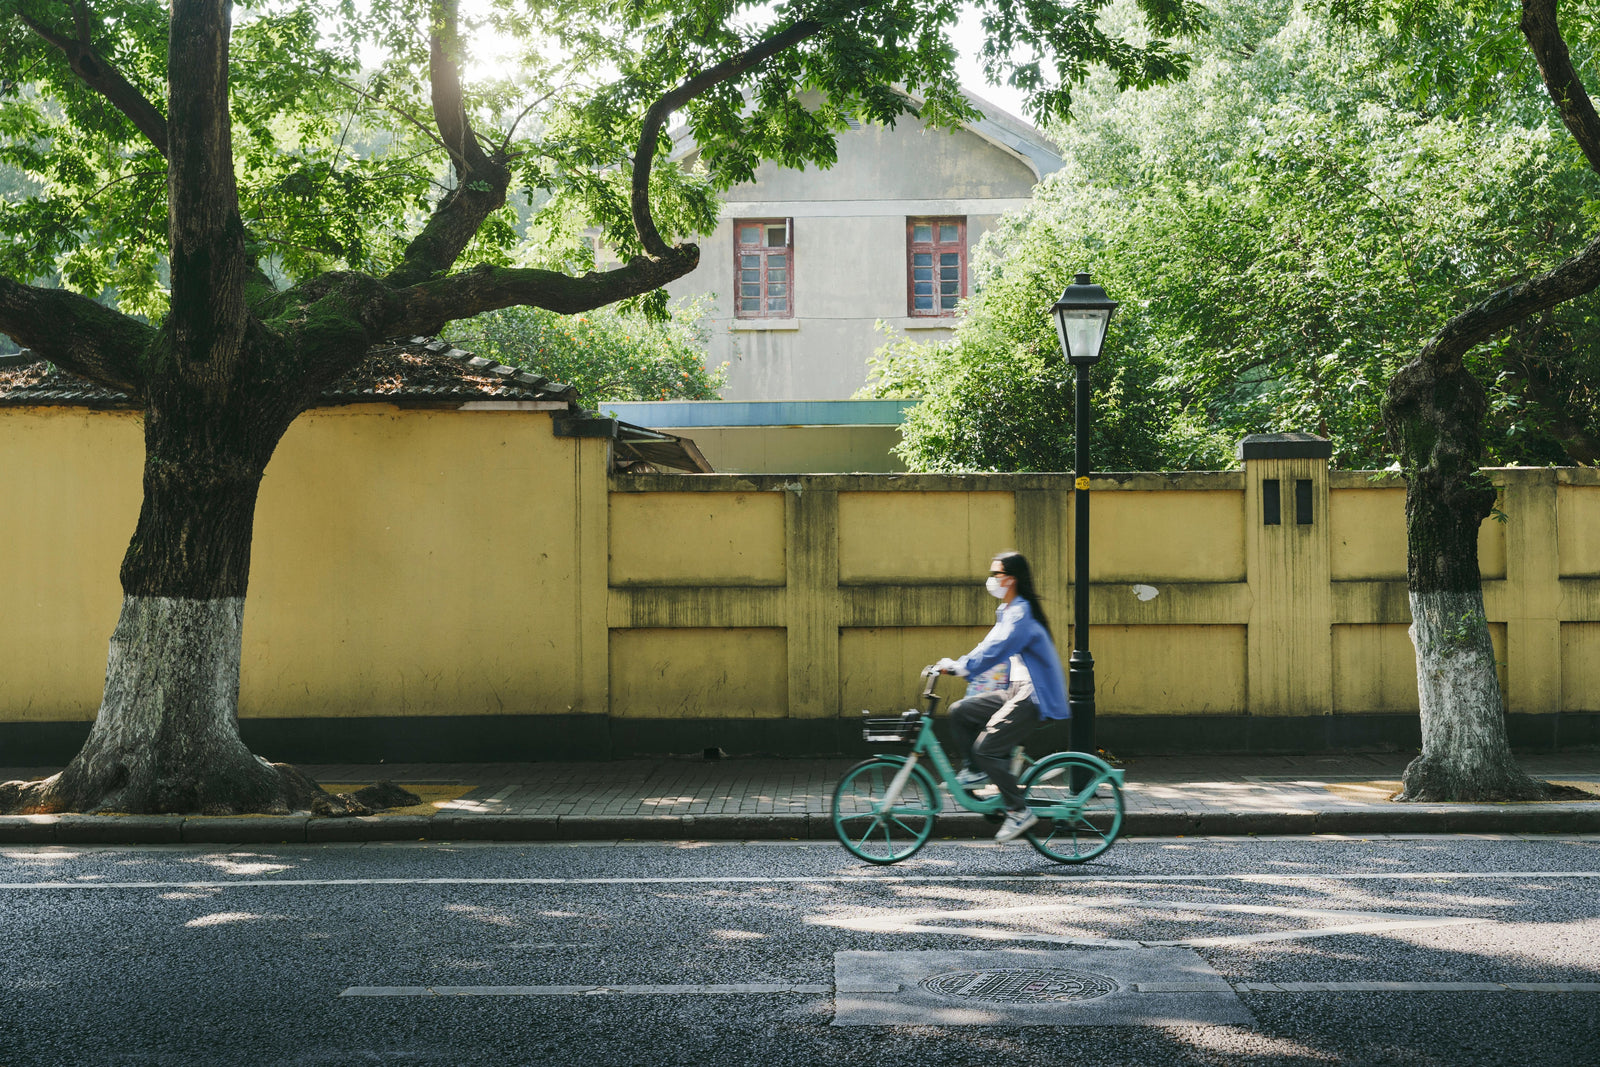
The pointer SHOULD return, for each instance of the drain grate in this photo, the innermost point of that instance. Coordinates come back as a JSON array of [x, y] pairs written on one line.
[[1019, 985]]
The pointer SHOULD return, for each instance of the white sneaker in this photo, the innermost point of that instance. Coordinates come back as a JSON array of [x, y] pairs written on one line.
[[1016, 822], [971, 777]]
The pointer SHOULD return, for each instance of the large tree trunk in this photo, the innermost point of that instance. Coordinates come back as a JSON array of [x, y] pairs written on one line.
[[166, 738], [1434, 414]]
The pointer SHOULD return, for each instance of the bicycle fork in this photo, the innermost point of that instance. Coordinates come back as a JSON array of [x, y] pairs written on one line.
[[896, 784]]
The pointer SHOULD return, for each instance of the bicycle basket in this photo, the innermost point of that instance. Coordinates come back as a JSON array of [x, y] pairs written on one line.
[[902, 727]]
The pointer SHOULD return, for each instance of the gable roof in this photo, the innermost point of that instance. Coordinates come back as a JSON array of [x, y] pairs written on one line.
[[423, 371], [1010, 133]]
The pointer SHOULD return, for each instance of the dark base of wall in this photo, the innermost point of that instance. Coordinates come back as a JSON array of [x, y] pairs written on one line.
[[516, 738]]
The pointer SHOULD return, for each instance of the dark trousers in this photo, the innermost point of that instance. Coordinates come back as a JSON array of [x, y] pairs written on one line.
[[987, 727]]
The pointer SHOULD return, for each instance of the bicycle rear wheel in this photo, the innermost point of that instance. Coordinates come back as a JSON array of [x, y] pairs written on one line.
[[1085, 834], [877, 834]]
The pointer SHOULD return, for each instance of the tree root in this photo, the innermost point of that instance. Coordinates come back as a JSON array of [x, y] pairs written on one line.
[[1429, 781], [297, 792]]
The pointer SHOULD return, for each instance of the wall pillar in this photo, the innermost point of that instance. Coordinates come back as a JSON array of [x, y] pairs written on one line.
[[1044, 535], [591, 550], [814, 613], [1533, 584], [1289, 644]]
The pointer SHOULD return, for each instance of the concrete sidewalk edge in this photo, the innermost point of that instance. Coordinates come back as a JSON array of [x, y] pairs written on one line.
[[1553, 818]]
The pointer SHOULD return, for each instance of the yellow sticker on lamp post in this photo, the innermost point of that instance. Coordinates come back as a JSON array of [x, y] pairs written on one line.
[[1081, 483]]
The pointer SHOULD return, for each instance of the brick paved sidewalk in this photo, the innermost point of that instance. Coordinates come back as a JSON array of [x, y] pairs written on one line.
[[773, 798]]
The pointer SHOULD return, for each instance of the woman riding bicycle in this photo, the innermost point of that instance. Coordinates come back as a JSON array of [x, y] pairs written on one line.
[[986, 727]]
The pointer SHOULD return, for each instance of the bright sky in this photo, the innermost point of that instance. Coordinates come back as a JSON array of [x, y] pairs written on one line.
[[967, 35]]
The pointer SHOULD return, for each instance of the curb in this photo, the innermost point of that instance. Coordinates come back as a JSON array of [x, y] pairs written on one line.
[[813, 826]]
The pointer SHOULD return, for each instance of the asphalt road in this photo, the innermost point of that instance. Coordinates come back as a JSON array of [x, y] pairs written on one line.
[[728, 954]]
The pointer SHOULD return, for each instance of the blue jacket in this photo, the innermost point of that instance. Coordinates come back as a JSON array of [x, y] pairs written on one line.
[[1017, 633]]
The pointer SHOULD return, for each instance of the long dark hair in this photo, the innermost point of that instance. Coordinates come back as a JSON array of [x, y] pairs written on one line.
[[1015, 565]]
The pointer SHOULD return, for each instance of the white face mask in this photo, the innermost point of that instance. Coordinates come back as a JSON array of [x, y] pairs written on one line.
[[996, 590]]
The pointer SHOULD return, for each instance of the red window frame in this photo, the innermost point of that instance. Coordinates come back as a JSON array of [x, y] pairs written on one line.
[[928, 277], [763, 272]]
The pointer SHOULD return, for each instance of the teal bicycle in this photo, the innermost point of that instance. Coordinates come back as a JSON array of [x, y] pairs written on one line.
[[884, 808]]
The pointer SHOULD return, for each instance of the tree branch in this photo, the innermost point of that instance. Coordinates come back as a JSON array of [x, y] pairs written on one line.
[[88, 64], [1505, 308], [76, 334], [210, 268], [481, 179], [426, 307], [658, 114], [1540, 27]]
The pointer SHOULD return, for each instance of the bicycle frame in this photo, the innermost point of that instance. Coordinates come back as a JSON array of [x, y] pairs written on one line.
[[927, 744]]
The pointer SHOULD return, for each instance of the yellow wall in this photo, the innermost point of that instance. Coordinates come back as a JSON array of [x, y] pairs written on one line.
[[69, 498], [441, 562], [405, 563]]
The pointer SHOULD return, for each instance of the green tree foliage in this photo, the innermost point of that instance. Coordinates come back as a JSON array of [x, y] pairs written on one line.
[[606, 354], [1284, 230]]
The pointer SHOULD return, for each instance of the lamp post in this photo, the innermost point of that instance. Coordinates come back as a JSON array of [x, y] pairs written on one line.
[[1081, 315]]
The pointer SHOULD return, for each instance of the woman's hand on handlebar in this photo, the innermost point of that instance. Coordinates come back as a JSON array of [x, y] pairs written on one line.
[[944, 666]]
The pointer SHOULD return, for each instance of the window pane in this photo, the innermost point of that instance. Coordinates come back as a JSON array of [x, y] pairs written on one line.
[[776, 262], [750, 305], [949, 259], [776, 237], [749, 235], [780, 303], [948, 234], [922, 288], [922, 303], [750, 276], [922, 274], [777, 290], [922, 259], [949, 287], [923, 232], [947, 303], [750, 262]]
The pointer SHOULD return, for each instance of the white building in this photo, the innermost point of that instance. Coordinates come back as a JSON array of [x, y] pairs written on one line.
[[804, 263]]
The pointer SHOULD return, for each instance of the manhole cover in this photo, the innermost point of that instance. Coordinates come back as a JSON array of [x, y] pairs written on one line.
[[1020, 984]]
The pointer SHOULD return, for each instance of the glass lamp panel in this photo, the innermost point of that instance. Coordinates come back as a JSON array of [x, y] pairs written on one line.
[[1081, 332]]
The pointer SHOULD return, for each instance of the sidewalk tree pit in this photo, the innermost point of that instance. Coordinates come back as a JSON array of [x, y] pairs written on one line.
[[289, 258]]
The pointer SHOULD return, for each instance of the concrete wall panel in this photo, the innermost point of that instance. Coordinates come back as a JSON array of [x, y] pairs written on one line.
[[699, 674], [697, 538], [926, 536]]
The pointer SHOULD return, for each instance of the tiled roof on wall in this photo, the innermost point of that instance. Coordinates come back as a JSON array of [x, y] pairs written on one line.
[[422, 369]]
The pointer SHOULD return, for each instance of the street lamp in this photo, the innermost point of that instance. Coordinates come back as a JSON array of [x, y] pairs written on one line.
[[1081, 315]]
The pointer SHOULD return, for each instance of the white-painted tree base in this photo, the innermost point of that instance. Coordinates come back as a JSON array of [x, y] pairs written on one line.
[[1465, 753], [166, 738]]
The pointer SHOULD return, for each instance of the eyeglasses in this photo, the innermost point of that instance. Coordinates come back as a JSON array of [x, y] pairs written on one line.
[[998, 574]]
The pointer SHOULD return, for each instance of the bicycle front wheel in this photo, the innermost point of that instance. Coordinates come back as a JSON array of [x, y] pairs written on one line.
[[1087, 823], [877, 833]]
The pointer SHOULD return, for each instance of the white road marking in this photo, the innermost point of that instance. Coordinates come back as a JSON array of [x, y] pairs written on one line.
[[827, 879], [922, 922], [576, 990], [763, 988], [1417, 987]]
